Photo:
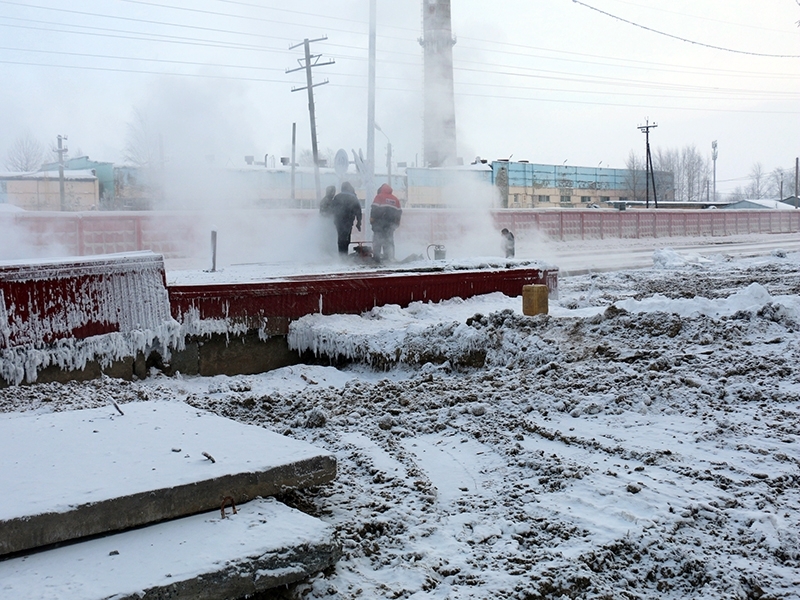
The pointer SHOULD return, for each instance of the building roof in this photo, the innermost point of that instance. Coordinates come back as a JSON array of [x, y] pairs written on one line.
[[758, 204], [74, 175]]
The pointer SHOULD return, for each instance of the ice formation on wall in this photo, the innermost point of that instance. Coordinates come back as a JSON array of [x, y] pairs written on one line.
[[71, 311]]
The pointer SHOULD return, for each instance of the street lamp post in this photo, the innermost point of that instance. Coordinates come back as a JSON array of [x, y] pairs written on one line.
[[388, 152], [714, 157]]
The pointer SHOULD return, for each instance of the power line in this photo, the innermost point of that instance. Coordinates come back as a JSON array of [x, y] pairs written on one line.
[[139, 59], [527, 72], [136, 35], [682, 39], [602, 80], [406, 90], [139, 71], [623, 83], [680, 14], [646, 65]]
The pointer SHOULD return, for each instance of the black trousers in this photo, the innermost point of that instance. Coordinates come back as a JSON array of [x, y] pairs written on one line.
[[343, 239]]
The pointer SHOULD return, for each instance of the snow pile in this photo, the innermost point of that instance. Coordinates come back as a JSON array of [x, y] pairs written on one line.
[[489, 331], [389, 334], [667, 258], [752, 299]]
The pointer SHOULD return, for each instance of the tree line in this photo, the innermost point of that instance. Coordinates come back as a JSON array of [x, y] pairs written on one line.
[[693, 180]]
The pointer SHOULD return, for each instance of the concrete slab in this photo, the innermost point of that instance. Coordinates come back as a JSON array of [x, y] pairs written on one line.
[[80, 473], [203, 557]]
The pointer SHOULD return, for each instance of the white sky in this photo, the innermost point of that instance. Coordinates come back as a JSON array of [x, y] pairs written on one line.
[[547, 80]]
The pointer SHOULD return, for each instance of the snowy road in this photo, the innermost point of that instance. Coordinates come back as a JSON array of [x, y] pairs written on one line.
[[575, 258]]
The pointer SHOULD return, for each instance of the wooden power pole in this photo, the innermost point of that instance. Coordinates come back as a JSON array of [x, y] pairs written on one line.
[[649, 173], [307, 63]]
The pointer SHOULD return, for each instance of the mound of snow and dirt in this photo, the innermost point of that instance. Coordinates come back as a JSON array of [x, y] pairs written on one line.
[[640, 441]]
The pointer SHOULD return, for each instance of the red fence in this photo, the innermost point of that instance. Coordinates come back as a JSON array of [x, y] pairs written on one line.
[[179, 234], [601, 224]]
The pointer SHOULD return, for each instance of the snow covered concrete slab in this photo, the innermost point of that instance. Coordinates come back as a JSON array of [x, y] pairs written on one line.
[[264, 545], [79, 473]]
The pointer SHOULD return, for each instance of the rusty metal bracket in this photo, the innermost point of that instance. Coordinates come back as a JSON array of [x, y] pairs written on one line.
[[225, 500]]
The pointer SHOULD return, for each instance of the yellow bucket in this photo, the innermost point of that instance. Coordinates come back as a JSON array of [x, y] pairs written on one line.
[[534, 300]]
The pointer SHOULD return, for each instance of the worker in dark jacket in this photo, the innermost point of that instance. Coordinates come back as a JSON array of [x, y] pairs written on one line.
[[325, 203], [508, 243], [345, 209], [384, 218]]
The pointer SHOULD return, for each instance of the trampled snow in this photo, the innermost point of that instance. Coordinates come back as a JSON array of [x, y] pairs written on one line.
[[640, 441]]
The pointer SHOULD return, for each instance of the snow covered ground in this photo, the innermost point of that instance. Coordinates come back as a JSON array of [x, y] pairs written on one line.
[[640, 441]]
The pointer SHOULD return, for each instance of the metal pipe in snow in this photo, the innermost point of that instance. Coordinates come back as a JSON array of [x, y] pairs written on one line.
[[213, 251]]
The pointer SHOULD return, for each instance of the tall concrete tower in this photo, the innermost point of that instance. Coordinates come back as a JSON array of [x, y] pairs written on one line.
[[439, 137]]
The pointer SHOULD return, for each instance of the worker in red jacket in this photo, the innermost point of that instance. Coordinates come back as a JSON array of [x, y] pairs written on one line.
[[384, 219]]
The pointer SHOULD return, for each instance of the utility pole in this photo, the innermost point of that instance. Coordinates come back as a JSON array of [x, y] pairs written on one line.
[[61, 151], [307, 63], [649, 173], [369, 187], [714, 155], [796, 183]]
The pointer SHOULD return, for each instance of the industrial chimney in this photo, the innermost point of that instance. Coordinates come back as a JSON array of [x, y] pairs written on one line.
[[439, 137]]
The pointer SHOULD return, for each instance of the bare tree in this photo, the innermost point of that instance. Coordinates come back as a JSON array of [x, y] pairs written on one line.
[[778, 176], [757, 187], [635, 178], [25, 154], [695, 173], [141, 145], [690, 171], [737, 195], [669, 161]]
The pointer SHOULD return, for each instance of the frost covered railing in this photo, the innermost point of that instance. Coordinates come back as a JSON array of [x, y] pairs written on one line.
[[66, 312]]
